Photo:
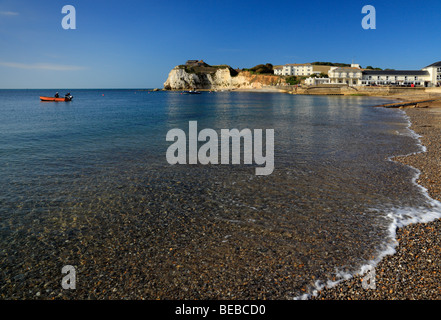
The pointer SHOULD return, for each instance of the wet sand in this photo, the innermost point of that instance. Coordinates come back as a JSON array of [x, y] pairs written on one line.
[[414, 271]]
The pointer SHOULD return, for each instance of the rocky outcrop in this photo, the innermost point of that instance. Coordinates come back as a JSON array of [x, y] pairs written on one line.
[[214, 78]]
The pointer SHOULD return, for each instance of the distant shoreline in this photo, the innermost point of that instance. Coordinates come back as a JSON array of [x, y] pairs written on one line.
[[405, 94]]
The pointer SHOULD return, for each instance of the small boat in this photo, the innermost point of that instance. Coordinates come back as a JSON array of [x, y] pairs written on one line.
[[192, 92], [67, 98]]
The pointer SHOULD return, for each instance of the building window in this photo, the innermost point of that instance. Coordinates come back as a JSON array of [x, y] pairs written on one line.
[[416, 78], [439, 69]]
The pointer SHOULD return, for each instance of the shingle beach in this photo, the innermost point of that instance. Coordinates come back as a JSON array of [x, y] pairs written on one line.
[[413, 272]]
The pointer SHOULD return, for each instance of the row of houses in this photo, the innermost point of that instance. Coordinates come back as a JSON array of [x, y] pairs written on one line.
[[354, 75]]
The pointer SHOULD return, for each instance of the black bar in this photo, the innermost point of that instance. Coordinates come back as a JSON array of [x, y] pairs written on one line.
[[219, 309]]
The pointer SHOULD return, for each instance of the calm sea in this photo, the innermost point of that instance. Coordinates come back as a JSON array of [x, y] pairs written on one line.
[[86, 183]]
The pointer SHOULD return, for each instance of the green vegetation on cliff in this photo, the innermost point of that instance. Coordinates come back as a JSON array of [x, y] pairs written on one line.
[[293, 80], [207, 69], [261, 69], [321, 75], [332, 64]]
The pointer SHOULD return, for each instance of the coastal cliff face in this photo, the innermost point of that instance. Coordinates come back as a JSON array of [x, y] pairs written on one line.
[[223, 78]]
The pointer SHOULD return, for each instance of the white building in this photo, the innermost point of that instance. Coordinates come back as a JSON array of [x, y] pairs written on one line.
[[417, 78], [300, 69], [429, 76], [314, 81], [434, 71], [294, 70], [355, 76], [278, 71], [346, 75]]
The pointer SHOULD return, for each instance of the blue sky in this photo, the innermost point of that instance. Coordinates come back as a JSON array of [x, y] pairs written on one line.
[[134, 44]]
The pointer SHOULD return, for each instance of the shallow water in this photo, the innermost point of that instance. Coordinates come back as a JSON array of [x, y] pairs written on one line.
[[87, 183]]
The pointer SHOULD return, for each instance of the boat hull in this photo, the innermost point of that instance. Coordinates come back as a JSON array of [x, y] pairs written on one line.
[[55, 99]]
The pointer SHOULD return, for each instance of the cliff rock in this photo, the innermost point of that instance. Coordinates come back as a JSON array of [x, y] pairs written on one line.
[[214, 78]]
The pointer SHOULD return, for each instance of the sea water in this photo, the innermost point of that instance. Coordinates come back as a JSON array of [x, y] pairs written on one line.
[[87, 183]]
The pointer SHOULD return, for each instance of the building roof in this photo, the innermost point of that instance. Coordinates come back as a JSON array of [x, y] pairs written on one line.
[[436, 64], [395, 72], [298, 64]]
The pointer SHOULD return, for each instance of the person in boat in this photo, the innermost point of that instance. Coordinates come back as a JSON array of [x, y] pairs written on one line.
[[57, 95], [67, 95]]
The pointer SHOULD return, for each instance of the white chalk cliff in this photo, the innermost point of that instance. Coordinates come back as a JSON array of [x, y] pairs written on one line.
[[222, 78]]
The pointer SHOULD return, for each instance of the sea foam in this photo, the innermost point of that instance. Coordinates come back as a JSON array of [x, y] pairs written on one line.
[[398, 217]]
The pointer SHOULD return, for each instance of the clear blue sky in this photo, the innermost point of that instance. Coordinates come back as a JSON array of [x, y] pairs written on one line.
[[134, 44]]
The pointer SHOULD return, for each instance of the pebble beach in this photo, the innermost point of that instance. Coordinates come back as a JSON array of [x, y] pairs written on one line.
[[413, 272]]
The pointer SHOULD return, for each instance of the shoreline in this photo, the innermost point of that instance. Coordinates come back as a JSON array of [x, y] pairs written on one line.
[[399, 93], [270, 90], [413, 271]]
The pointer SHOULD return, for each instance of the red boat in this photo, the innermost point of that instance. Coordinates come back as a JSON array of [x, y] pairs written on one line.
[[68, 98]]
